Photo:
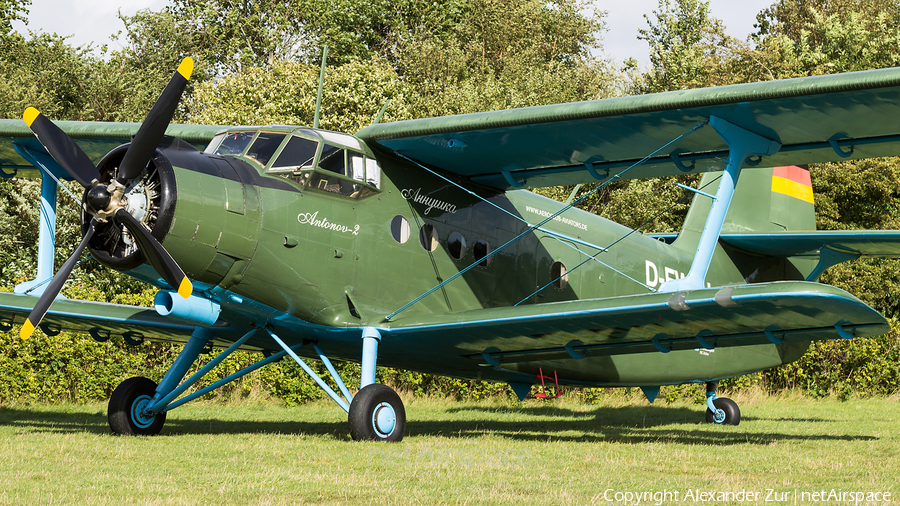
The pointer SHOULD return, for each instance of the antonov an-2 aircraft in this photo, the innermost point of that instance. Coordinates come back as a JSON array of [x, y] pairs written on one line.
[[416, 244]]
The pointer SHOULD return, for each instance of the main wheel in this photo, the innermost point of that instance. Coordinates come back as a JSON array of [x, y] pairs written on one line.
[[377, 414], [731, 409], [126, 409]]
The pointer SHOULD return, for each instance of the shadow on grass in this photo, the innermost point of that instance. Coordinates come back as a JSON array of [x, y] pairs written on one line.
[[627, 424]]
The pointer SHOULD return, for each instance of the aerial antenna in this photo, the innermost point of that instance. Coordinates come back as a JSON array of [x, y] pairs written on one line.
[[321, 83], [381, 112]]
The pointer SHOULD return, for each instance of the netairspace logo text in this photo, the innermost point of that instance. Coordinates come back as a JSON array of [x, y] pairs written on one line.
[[769, 495]]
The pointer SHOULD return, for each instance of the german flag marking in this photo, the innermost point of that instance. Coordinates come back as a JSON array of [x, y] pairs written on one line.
[[794, 182]]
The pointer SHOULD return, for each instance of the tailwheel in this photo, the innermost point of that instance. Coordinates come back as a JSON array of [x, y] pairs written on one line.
[[377, 414], [126, 409], [727, 413]]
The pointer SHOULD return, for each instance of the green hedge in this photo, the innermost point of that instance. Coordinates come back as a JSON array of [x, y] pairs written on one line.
[[73, 367]]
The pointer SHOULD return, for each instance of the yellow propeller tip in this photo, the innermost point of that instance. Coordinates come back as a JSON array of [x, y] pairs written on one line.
[[30, 115], [186, 68], [185, 288], [27, 329]]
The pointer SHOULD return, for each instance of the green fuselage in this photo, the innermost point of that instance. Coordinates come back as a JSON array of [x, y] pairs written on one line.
[[339, 260]]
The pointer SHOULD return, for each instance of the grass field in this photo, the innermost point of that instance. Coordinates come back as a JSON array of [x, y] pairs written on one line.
[[785, 449]]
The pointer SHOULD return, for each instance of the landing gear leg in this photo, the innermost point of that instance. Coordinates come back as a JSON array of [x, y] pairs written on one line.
[[720, 410], [132, 409], [376, 412]]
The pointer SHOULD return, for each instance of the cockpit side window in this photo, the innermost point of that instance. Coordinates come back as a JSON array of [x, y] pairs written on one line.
[[336, 168], [298, 153], [233, 143], [332, 159], [264, 147]]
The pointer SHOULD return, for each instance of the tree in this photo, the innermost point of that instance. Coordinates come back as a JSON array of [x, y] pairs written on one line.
[[503, 54], [12, 10], [687, 47], [235, 35], [286, 94]]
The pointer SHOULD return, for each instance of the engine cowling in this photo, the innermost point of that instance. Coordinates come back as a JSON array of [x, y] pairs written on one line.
[[151, 200]]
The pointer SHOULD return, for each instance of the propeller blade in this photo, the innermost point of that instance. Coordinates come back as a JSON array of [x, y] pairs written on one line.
[[56, 284], [154, 127], [158, 257], [61, 147]]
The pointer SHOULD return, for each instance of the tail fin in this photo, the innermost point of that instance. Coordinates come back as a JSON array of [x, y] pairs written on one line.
[[765, 200]]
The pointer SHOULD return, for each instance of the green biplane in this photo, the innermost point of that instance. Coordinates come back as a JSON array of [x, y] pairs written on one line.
[[415, 244]]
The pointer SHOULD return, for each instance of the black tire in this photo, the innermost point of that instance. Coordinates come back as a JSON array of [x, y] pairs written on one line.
[[731, 409], [124, 409], [367, 405]]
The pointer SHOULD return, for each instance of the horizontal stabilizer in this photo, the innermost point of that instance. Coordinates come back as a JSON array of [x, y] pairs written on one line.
[[861, 243]]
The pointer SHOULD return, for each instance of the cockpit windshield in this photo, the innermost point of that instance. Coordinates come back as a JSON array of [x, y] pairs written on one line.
[[230, 143], [316, 159], [298, 153], [264, 147]]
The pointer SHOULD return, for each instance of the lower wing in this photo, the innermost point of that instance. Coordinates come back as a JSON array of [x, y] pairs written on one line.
[[792, 311]]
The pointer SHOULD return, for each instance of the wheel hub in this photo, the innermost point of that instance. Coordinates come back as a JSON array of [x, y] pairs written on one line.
[[139, 414], [384, 419]]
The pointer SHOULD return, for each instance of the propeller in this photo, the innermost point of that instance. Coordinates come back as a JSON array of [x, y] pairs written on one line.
[[154, 126], [108, 202], [56, 284]]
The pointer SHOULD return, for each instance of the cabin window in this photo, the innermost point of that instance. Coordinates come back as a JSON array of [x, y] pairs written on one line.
[[559, 275], [400, 229], [343, 171], [428, 237], [482, 249], [299, 152], [231, 143], [456, 245], [264, 147], [373, 172]]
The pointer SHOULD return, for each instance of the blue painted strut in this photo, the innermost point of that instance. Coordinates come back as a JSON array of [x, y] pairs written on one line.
[[312, 374], [167, 398], [334, 375], [371, 337], [50, 171], [224, 381], [46, 237], [741, 145], [183, 362]]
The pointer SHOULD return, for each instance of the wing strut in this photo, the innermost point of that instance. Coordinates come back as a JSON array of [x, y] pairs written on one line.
[[546, 220], [742, 144], [47, 223]]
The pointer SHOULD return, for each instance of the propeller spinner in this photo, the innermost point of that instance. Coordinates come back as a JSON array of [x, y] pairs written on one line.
[[108, 202]]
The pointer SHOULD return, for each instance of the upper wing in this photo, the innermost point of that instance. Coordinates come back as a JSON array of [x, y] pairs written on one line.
[[794, 311], [94, 137], [816, 119]]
